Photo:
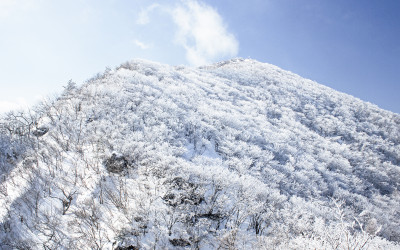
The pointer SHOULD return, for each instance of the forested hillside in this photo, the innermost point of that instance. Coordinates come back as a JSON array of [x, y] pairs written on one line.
[[235, 155]]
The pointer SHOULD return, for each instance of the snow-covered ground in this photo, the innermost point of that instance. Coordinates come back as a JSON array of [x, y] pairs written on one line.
[[235, 155]]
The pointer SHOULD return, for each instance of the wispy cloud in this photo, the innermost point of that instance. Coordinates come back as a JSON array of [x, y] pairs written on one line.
[[19, 103], [143, 17], [202, 33], [5, 7], [142, 45], [199, 30], [8, 7]]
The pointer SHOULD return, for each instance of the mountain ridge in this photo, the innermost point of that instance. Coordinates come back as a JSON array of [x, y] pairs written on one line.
[[237, 154]]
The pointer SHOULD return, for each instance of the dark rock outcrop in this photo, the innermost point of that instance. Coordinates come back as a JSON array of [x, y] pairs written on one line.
[[40, 131], [179, 242], [116, 164]]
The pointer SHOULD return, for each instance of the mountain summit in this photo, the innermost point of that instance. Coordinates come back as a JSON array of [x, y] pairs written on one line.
[[235, 155]]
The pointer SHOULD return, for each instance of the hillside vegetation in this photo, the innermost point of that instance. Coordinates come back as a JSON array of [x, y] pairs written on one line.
[[235, 155]]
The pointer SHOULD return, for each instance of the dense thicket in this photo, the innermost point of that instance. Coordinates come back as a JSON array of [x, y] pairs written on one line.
[[238, 154]]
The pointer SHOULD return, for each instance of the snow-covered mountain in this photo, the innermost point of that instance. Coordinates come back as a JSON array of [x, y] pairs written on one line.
[[235, 155]]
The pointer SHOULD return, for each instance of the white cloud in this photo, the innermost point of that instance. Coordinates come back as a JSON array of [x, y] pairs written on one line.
[[9, 7], [143, 17], [5, 7], [19, 103], [141, 45], [202, 33]]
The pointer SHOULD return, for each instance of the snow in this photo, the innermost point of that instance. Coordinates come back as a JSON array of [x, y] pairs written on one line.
[[239, 154]]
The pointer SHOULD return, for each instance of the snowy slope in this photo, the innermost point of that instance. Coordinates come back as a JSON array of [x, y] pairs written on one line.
[[239, 154]]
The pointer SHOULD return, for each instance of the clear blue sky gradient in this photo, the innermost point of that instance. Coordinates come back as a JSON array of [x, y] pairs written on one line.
[[351, 46]]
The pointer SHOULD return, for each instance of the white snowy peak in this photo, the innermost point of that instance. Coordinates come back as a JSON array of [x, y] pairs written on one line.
[[235, 155]]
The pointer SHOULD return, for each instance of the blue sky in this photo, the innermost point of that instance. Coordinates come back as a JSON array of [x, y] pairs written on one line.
[[351, 46]]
